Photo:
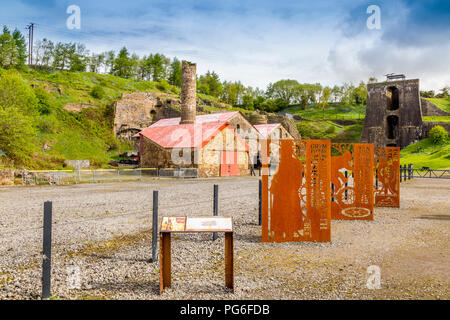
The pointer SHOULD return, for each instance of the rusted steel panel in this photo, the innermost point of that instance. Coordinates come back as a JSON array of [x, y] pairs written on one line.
[[387, 171], [296, 204], [352, 181]]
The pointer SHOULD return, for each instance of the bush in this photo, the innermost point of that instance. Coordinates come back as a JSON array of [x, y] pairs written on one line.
[[438, 135], [98, 92]]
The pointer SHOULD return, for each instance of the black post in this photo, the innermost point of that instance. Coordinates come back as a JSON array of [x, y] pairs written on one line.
[[47, 251], [404, 172], [155, 227], [412, 171], [260, 204], [346, 184], [216, 206], [401, 173], [376, 179]]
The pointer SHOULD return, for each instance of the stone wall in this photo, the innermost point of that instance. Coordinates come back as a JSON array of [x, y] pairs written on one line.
[[188, 92], [430, 110], [427, 126], [137, 111], [6, 177]]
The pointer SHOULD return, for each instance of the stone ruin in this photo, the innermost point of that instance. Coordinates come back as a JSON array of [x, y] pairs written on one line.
[[394, 114], [138, 110]]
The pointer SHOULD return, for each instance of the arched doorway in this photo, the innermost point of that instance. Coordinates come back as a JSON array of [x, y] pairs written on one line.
[[392, 95], [392, 127]]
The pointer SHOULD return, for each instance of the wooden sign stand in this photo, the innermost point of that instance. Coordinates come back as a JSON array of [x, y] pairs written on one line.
[[167, 229]]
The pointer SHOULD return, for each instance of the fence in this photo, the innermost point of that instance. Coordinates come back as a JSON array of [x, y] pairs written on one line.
[[407, 172], [60, 177]]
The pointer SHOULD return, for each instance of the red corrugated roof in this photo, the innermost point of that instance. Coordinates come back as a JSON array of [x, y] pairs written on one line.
[[266, 129], [184, 135]]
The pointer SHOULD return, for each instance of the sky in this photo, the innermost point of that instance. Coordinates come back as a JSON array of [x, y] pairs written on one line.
[[260, 42]]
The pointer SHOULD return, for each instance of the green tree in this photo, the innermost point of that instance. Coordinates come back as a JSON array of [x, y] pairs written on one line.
[[286, 90], [175, 73], [8, 50], [210, 84], [248, 102], [21, 49], [122, 66]]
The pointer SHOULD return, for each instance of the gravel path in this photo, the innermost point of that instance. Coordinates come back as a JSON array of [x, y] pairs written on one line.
[[104, 230]]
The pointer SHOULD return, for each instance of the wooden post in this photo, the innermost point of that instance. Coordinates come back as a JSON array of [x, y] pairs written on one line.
[[229, 261], [165, 279]]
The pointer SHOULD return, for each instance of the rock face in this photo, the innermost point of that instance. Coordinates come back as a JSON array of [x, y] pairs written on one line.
[[138, 110]]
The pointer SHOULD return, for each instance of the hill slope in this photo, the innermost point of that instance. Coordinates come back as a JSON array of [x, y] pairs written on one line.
[[426, 154], [61, 134]]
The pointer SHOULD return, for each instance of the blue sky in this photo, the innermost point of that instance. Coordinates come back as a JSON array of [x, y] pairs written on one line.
[[259, 42]]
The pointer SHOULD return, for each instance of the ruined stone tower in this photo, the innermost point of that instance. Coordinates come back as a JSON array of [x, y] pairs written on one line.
[[393, 115], [188, 92]]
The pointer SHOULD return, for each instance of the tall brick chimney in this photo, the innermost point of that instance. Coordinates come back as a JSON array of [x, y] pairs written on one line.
[[188, 92]]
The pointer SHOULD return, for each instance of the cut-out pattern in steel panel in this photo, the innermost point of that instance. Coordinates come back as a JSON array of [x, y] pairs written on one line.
[[352, 195], [296, 204], [387, 175]]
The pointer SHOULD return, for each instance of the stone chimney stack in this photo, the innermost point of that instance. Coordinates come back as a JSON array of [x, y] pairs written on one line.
[[188, 92]]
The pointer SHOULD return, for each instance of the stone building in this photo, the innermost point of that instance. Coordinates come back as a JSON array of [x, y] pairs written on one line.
[[394, 114], [209, 143], [213, 148]]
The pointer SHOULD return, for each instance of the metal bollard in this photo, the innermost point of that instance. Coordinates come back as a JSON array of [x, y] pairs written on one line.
[[47, 251], [216, 206], [155, 227]]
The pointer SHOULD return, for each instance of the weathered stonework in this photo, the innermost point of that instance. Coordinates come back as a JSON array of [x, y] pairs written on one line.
[[393, 115], [430, 110], [137, 111], [188, 92]]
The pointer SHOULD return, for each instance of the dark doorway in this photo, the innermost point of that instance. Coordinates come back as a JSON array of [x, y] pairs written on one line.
[[392, 127], [392, 98]]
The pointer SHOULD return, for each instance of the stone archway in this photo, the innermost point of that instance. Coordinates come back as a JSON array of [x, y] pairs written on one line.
[[392, 127], [393, 102]]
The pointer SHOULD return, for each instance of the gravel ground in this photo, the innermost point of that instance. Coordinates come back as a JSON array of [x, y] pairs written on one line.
[[105, 231]]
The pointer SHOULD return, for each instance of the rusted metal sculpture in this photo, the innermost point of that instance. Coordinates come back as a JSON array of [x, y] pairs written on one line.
[[387, 175], [296, 201], [352, 196]]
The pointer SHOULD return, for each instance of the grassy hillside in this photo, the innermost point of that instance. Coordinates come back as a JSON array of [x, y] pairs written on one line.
[[332, 112], [442, 103], [337, 122], [426, 154], [61, 134]]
